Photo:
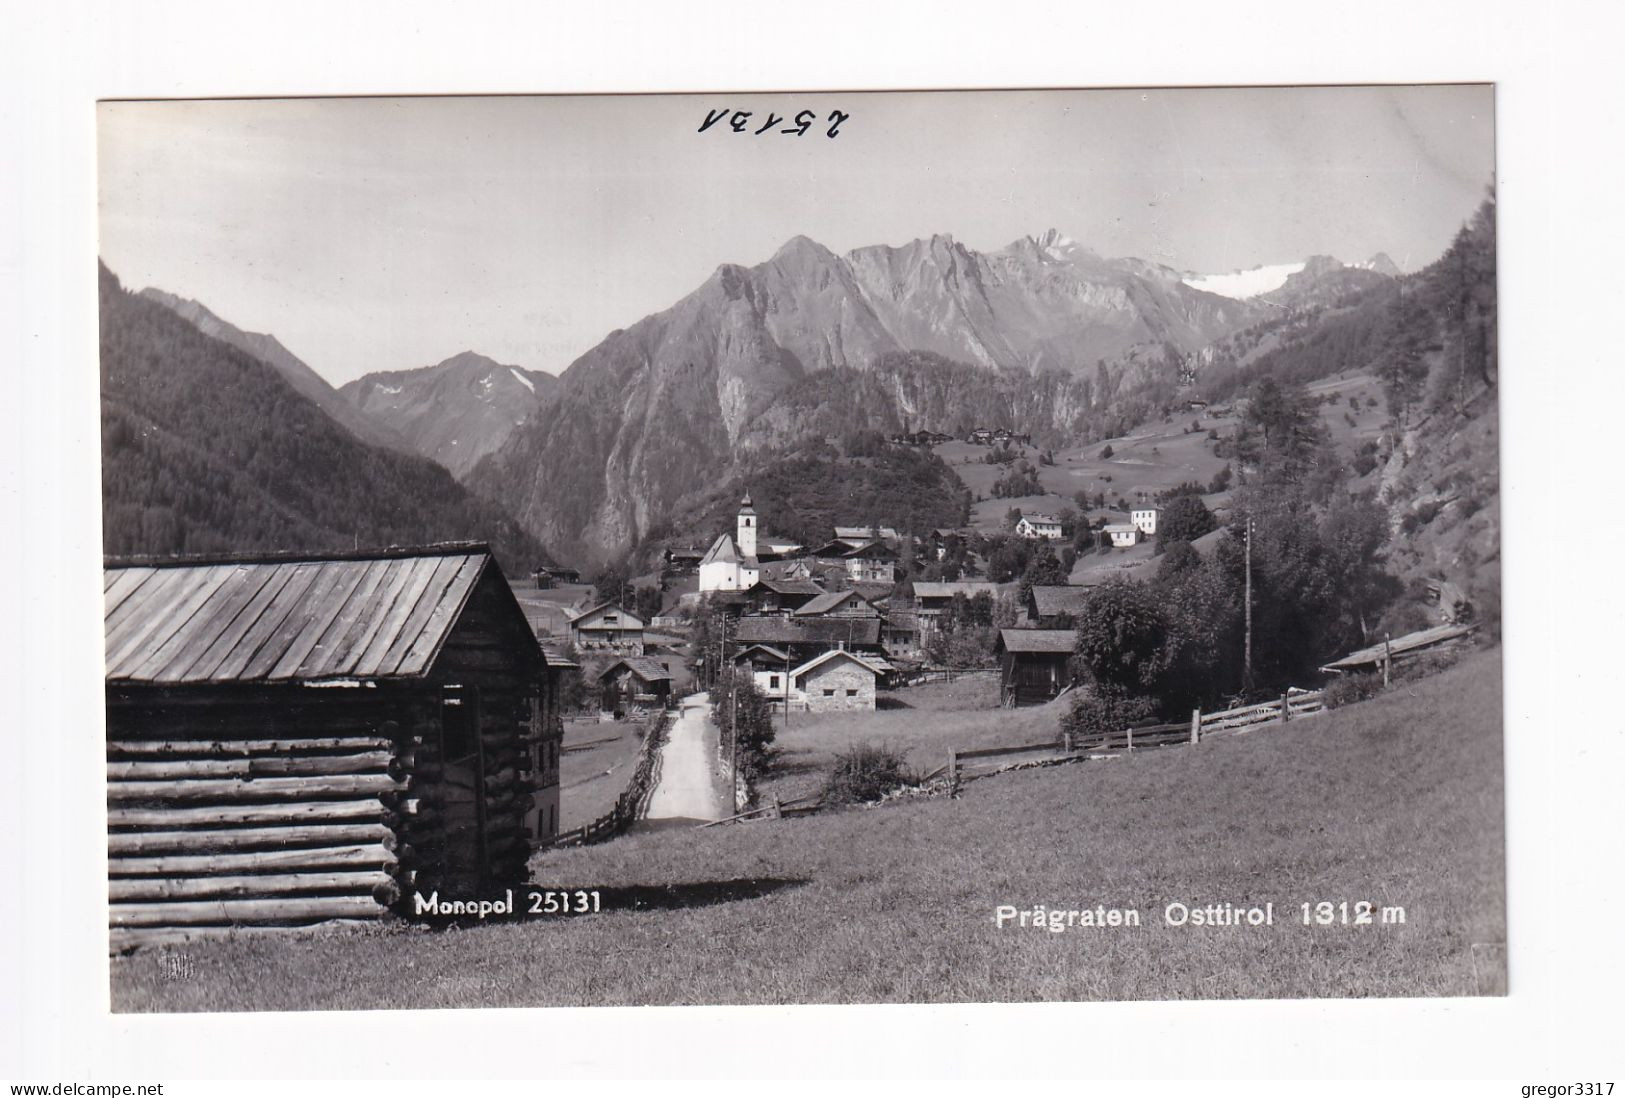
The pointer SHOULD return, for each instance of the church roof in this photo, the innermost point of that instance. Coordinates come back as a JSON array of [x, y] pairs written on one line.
[[724, 551]]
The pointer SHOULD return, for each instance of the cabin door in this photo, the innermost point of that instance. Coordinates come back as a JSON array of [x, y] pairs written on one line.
[[463, 786]]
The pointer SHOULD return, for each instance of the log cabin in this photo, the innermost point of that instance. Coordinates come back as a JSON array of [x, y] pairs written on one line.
[[293, 739]]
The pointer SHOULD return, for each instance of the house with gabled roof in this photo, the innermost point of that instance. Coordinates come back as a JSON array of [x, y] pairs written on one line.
[[640, 680], [1035, 525], [839, 680], [837, 604], [607, 627]]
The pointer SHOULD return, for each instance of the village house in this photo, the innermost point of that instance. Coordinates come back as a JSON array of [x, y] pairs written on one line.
[[837, 604], [769, 668], [939, 542], [1038, 526], [839, 680], [395, 706], [681, 562], [1123, 535], [867, 562], [862, 535], [931, 599], [900, 634], [1033, 664], [981, 436], [1146, 519], [635, 680], [607, 628], [1047, 604], [773, 595]]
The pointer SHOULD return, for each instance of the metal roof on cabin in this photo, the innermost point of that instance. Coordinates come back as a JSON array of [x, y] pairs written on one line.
[[284, 620]]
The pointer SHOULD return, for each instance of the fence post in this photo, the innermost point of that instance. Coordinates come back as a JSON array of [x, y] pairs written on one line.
[[1286, 708], [1130, 732], [953, 767], [1196, 726]]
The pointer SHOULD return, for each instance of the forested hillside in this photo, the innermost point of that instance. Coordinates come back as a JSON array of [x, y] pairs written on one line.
[[803, 492], [919, 390], [207, 449]]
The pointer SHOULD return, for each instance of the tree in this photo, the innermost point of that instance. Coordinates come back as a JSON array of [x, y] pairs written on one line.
[[746, 714], [1106, 453], [1184, 518], [1122, 637], [1043, 569]]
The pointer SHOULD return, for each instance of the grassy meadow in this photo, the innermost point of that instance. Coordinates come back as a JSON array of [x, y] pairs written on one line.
[[594, 766], [1397, 801], [921, 723]]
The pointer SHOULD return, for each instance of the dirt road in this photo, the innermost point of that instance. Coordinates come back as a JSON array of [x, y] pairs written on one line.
[[689, 790]]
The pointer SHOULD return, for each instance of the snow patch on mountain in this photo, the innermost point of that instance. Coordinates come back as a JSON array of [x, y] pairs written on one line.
[[1241, 285], [522, 379]]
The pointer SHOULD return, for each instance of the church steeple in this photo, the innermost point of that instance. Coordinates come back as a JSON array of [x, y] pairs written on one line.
[[745, 534]]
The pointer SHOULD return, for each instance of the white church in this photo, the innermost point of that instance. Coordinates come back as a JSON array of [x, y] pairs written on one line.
[[734, 561]]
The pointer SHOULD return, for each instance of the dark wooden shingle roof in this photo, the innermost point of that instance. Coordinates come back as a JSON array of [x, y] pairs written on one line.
[[284, 620], [1037, 640]]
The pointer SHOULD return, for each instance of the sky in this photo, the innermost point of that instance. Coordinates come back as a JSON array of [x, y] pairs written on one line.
[[383, 234]]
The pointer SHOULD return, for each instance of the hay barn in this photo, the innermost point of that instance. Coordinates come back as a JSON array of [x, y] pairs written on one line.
[[1033, 664], [292, 740]]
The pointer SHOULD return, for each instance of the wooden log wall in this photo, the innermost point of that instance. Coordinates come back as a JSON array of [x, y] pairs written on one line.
[[205, 833]]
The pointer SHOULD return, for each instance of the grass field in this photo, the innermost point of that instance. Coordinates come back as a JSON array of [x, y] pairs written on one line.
[[1397, 801], [920, 722], [596, 762]]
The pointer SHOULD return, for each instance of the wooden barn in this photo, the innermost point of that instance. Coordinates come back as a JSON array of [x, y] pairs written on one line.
[[635, 680], [1033, 664], [292, 740]]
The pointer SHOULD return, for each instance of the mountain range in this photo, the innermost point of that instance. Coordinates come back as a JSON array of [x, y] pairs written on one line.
[[808, 345], [210, 448], [454, 412], [755, 356]]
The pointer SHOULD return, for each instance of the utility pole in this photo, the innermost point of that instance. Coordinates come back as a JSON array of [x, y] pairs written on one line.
[[1247, 650]]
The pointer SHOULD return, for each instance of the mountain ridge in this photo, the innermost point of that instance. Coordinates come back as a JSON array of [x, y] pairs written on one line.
[[455, 411]]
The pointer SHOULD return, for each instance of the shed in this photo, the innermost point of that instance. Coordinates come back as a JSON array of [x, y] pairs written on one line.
[[1033, 664], [639, 679], [297, 739]]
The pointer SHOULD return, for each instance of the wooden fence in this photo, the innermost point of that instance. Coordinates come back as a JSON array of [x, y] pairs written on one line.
[[1291, 706], [254, 833], [634, 799]]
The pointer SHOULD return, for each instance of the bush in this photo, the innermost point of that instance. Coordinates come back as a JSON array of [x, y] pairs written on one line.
[[866, 773], [1106, 708], [1349, 689]]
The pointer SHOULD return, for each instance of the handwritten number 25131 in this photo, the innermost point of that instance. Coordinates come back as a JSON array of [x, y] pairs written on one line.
[[739, 122]]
